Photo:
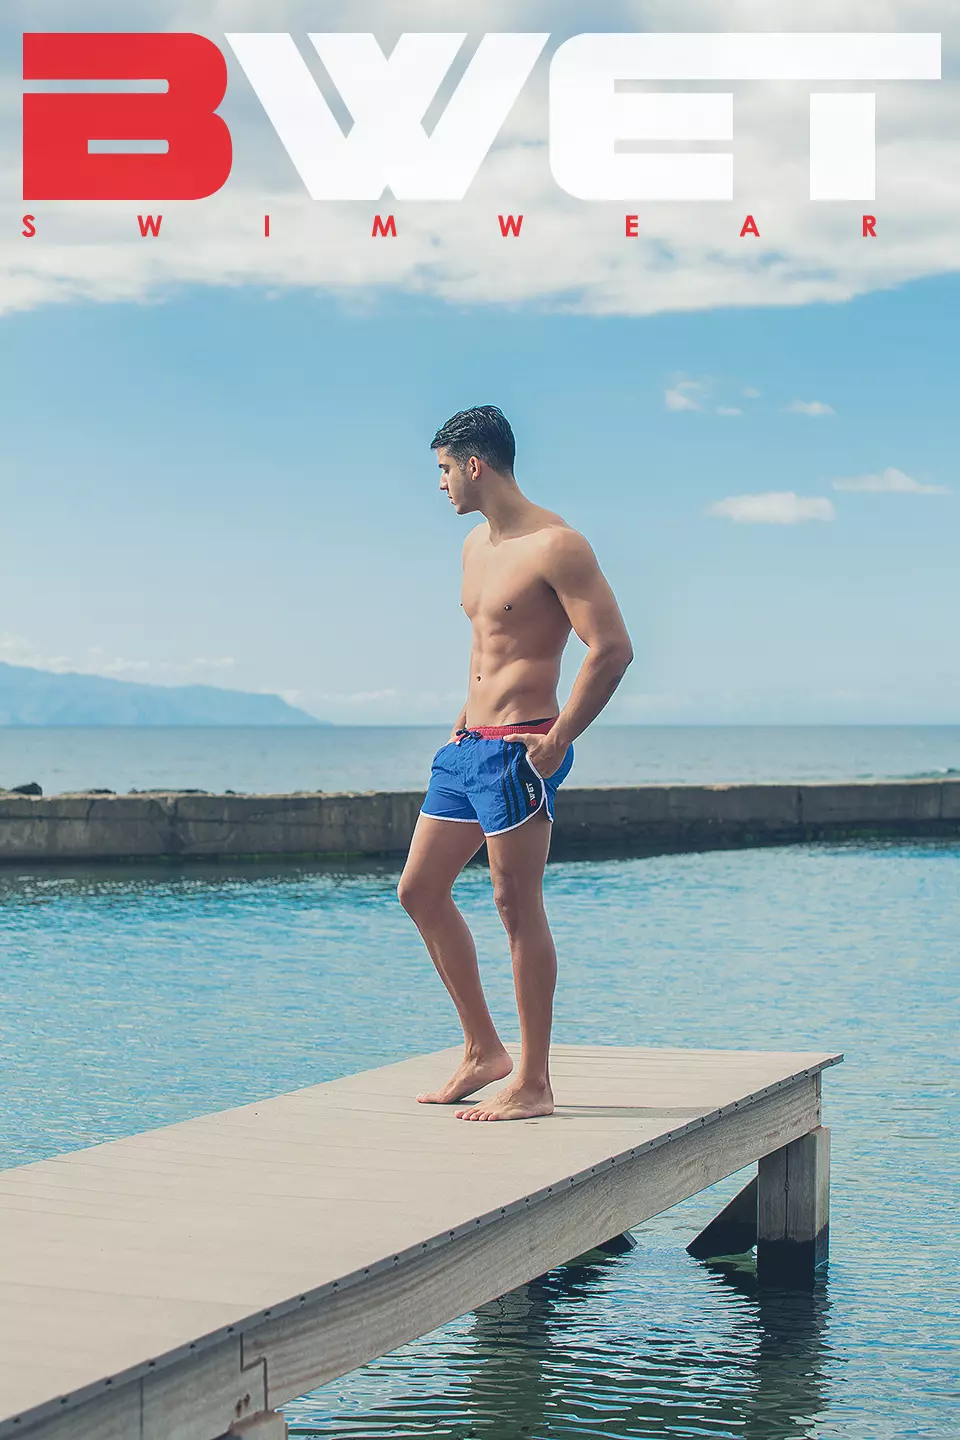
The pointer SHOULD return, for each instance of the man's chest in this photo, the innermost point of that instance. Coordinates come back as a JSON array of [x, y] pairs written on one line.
[[502, 583]]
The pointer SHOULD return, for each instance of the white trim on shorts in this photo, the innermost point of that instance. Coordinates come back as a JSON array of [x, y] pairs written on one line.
[[490, 833], [542, 803], [457, 819]]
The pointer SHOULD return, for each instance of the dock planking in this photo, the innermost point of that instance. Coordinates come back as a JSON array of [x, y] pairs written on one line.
[[176, 1283]]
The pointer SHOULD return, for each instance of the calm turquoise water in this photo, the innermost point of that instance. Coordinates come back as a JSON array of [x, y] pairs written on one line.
[[132, 998], [280, 760]]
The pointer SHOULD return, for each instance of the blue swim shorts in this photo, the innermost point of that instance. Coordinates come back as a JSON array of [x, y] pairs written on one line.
[[490, 780]]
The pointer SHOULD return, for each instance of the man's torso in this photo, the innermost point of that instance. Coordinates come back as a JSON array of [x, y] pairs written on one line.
[[519, 626]]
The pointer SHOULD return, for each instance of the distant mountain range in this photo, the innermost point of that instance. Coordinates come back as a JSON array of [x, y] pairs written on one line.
[[41, 697]]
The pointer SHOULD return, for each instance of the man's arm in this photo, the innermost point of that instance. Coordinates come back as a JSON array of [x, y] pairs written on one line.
[[461, 720], [571, 569], [459, 724]]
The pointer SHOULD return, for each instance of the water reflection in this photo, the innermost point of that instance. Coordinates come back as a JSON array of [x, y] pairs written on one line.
[[588, 1350], [658, 1384]]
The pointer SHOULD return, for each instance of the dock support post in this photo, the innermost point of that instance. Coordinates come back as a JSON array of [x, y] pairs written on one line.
[[734, 1231], [618, 1244], [267, 1425], [793, 1210]]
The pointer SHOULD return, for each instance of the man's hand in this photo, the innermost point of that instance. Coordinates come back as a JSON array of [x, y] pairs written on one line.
[[542, 752]]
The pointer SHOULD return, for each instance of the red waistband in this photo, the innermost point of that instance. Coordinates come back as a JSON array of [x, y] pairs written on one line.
[[521, 727]]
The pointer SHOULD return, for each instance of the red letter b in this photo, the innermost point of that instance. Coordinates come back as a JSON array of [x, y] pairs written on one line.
[[57, 164]]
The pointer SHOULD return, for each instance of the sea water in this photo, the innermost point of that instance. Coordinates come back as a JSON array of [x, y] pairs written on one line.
[[370, 757], [133, 997]]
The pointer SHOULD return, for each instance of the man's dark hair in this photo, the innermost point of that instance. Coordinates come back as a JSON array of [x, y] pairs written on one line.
[[483, 431]]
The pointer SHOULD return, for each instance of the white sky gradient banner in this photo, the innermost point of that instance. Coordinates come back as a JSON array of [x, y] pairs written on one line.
[[573, 254]]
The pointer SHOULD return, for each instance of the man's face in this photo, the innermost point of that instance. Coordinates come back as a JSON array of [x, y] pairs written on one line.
[[455, 482]]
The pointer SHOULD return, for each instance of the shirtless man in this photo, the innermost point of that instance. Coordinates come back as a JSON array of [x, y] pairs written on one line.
[[528, 579]]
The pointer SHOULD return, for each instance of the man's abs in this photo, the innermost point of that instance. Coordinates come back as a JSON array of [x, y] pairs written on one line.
[[515, 690]]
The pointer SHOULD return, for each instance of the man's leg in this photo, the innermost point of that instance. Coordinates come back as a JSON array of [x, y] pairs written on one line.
[[438, 852], [517, 861]]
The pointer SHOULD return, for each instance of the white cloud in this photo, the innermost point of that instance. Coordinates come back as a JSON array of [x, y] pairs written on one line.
[[17, 650], [643, 705], [353, 697], [728, 410], [572, 255], [810, 407], [891, 482], [775, 507], [388, 704], [685, 395], [752, 394]]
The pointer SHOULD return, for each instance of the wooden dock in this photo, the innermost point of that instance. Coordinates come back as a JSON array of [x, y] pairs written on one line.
[[183, 1283]]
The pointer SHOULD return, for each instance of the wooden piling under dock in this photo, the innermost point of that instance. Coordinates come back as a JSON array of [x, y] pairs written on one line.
[[183, 1283]]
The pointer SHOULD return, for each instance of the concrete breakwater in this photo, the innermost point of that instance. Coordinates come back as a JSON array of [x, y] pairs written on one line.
[[635, 819]]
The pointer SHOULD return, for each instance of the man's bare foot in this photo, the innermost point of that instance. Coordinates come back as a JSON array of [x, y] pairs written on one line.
[[513, 1102], [470, 1075]]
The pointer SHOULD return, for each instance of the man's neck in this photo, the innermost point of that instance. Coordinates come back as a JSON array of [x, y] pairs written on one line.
[[505, 508]]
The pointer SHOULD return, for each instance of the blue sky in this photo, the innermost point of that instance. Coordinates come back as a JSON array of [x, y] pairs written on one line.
[[229, 477], [216, 461]]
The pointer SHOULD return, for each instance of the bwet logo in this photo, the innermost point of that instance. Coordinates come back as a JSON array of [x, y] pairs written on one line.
[[171, 143]]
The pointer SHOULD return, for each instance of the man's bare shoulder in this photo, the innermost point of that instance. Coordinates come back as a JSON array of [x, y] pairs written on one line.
[[561, 544], [473, 538], [545, 520]]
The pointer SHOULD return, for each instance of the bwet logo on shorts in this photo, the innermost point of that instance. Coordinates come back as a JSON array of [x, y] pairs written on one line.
[[171, 144]]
